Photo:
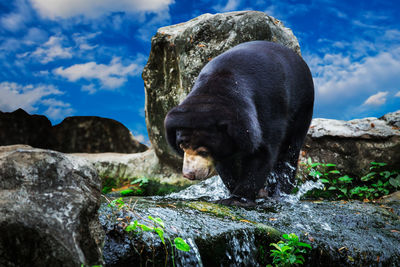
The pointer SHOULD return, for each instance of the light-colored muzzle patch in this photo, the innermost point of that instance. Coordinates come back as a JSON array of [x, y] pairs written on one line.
[[197, 163]]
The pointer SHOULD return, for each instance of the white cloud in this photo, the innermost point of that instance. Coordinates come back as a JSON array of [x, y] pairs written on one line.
[[111, 76], [16, 20], [89, 88], [377, 99], [337, 76], [82, 40], [57, 109], [53, 49], [398, 94], [149, 28], [55, 9], [140, 138], [34, 36], [28, 97], [231, 5]]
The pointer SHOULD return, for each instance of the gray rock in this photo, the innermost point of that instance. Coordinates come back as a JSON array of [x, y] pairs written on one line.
[[144, 164], [352, 145], [392, 118], [48, 209], [90, 134], [179, 52]]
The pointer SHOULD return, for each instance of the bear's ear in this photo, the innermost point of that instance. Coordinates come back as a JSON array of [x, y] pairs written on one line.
[[171, 139]]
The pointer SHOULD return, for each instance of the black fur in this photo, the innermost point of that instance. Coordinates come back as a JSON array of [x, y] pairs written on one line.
[[251, 106]]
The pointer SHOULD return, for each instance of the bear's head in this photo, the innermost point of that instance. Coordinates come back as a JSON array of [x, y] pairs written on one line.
[[201, 149]]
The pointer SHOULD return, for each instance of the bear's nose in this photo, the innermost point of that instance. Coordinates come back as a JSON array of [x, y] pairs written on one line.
[[189, 175]]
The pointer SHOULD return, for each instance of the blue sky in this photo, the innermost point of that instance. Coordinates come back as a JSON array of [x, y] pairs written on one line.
[[85, 57]]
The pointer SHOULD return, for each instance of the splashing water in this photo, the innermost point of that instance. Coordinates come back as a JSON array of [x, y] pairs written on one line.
[[211, 189], [304, 188]]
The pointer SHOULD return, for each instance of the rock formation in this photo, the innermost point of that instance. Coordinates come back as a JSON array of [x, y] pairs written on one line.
[[179, 52], [92, 134], [19, 127], [48, 209], [352, 145], [86, 134]]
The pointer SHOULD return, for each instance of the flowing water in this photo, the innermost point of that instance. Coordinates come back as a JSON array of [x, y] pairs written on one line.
[[341, 233]]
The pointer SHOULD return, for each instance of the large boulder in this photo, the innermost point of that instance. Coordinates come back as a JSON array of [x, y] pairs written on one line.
[[19, 127], [179, 52], [48, 209], [353, 145], [92, 134], [85, 134]]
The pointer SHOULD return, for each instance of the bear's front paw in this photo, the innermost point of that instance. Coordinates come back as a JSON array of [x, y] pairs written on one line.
[[237, 201]]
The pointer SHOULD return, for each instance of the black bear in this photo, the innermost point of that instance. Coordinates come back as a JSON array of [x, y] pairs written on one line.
[[247, 114]]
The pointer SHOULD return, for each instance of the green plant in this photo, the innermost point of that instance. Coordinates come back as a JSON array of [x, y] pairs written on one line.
[[107, 184], [376, 183], [336, 186], [141, 181], [157, 227], [288, 252]]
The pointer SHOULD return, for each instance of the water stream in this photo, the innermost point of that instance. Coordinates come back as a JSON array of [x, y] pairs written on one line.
[[341, 233]]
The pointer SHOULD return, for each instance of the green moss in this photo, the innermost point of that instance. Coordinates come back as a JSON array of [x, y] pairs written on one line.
[[138, 186], [218, 210]]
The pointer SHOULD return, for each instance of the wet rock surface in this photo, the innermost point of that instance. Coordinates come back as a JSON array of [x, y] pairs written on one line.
[[352, 145], [87, 134], [48, 209], [179, 52], [341, 233]]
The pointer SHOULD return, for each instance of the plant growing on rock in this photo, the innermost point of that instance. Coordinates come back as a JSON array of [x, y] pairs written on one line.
[[288, 252], [156, 226], [376, 183]]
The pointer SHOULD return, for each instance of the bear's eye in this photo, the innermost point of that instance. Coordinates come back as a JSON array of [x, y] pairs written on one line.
[[203, 152]]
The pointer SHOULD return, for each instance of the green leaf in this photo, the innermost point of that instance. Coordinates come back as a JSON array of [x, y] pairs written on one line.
[[181, 244], [141, 181], [324, 181], [385, 174], [292, 259], [343, 190], [334, 171], [380, 164], [332, 188], [160, 233], [145, 227], [127, 192], [157, 221], [368, 177], [330, 165], [395, 182], [132, 227], [276, 246], [292, 237], [286, 248], [345, 179], [314, 173], [313, 165]]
